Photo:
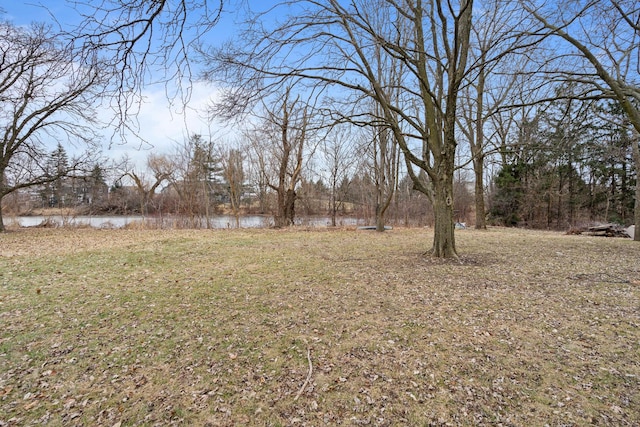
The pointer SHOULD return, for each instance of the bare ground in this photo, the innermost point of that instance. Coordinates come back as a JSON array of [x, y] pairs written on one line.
[[269, 328]]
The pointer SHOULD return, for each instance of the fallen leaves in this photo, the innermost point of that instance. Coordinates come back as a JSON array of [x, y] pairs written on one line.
[[259, 327]]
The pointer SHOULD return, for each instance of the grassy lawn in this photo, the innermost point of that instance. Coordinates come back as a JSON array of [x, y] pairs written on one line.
[[274, 328]]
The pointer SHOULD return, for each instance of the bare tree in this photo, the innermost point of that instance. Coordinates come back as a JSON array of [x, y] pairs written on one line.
[[47, 95], [499, 50], [339, 158], [605, 37], [381, 153], [258, 170], [289, 129], [232, 162], [161, 169], [384, 148], [334, 43], [281, 143], [196, 180]]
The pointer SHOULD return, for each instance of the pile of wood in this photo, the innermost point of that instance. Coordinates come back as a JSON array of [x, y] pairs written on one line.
[[608, 230], [604, 230]]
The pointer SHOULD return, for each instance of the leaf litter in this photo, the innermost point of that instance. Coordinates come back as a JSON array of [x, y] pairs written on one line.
[[267, 327]]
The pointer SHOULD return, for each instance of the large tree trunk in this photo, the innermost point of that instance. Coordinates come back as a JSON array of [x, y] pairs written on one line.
[[2, 229], [439, 190], [382, 204], [636, 209], [286, 213], [380, 218], [280, 218], [444, 245], [289, 207]]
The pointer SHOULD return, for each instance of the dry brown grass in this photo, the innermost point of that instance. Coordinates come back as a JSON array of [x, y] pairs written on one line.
[[153, 327]]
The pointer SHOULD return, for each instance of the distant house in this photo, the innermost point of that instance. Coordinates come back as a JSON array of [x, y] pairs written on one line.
[[68, 191], [73, 191]]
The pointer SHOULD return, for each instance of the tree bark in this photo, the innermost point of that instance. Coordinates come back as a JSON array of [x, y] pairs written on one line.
[[382, 204], [3, 193], [444, 245], [280, 217], [380, 218], [289, 207], [636, 208], [2, 229]]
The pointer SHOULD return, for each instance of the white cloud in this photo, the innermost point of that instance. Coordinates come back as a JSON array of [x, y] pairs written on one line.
[[163, 125]]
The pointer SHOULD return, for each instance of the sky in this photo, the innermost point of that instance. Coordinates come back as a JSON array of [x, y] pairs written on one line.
[[161, 125]]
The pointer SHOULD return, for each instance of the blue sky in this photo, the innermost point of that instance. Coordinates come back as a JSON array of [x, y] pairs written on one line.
[[161, 125], [23, 12]]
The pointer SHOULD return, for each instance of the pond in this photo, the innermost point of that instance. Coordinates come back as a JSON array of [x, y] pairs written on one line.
[[217, 221]]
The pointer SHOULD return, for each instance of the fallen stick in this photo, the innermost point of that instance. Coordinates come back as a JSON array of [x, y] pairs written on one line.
[[308, 376]]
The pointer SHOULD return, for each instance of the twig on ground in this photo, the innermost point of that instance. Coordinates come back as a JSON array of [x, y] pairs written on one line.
[[308, 375]]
